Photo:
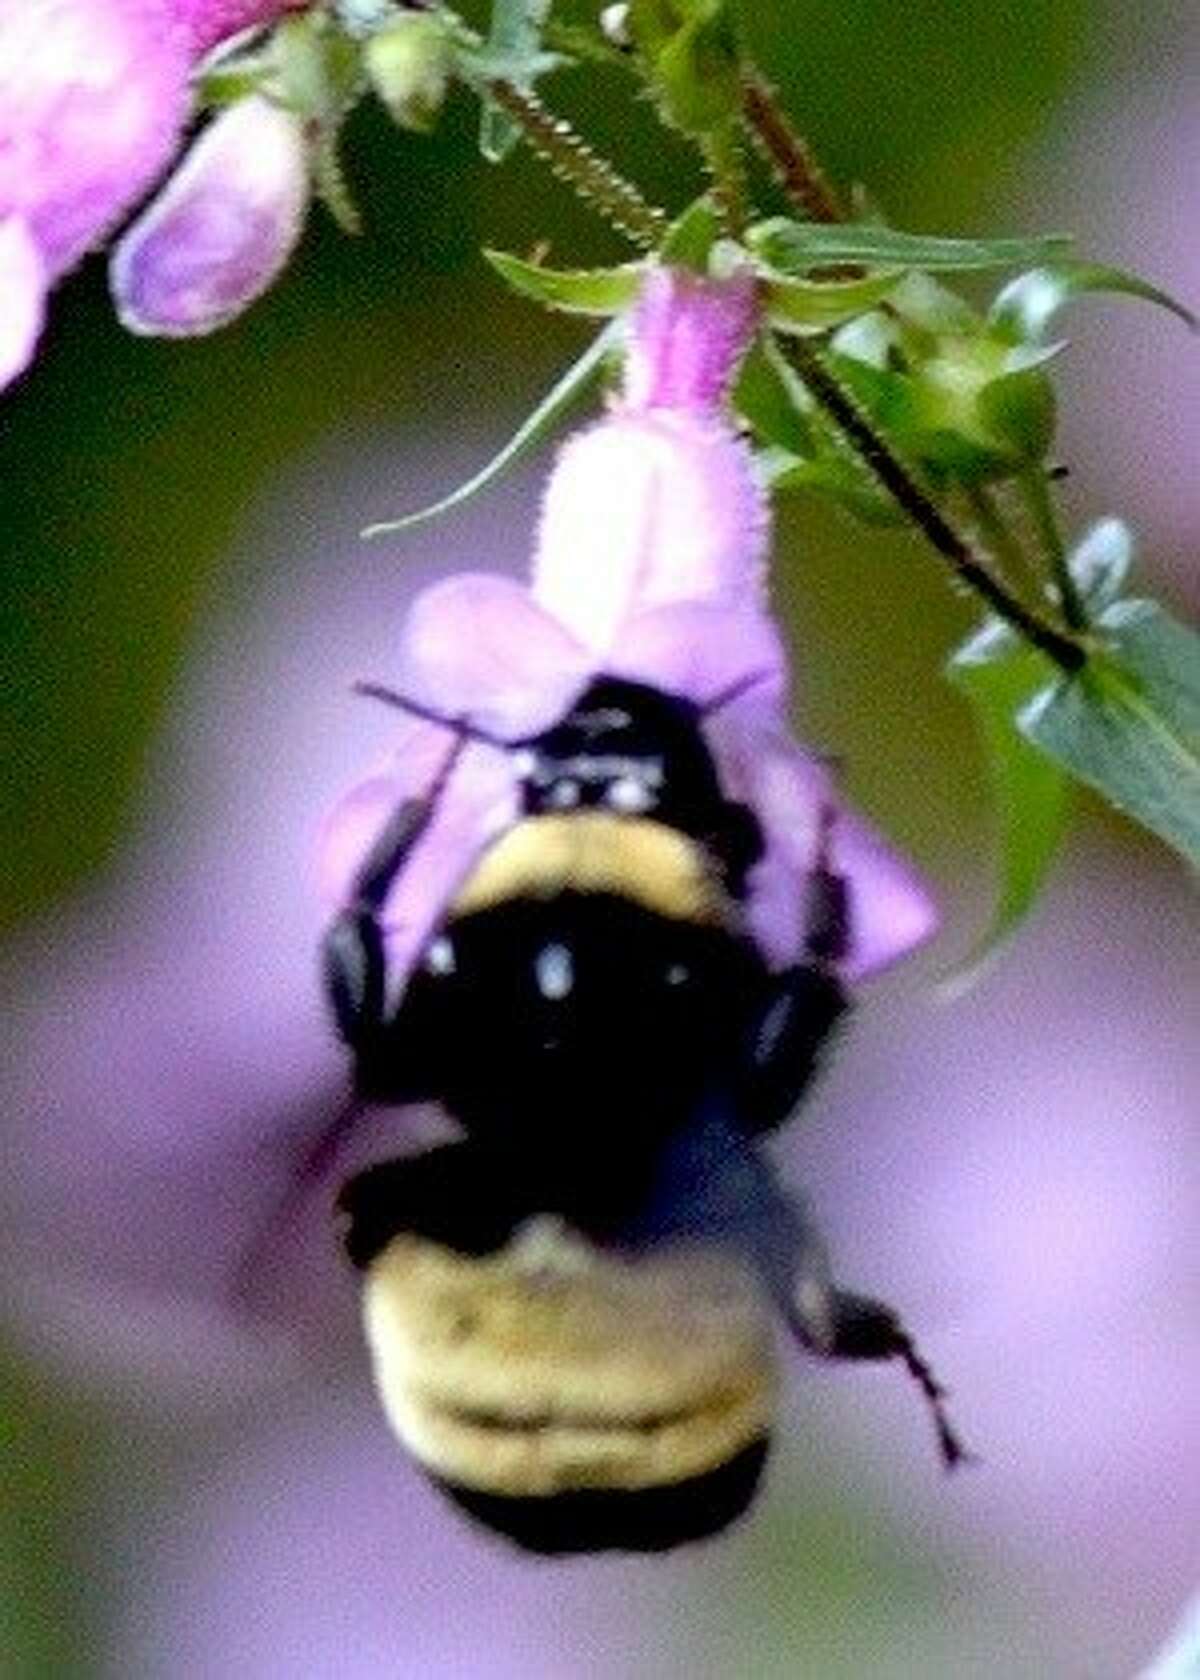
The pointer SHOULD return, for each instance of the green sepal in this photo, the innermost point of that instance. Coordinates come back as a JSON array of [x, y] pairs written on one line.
[[689, 240], [558, 403], [840, 479], [1128, 723], [769, 396], [689, 52], [228, 81], [1019, 411], [806, 307], [799, 247], [1023, 310], [582, 291], [998, 674]]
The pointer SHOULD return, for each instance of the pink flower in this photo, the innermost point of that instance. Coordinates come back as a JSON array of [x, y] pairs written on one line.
[[649, 566], [93, 100]]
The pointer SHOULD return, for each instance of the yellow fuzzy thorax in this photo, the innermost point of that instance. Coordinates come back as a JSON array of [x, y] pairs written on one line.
[[599, 852]]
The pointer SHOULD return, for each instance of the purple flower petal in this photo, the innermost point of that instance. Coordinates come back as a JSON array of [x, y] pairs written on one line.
[[643, 510], [22, 298], [702, 651], [222, 228], [892, 909], [478, 803], [209, 21], [93, 98], [478, 646]]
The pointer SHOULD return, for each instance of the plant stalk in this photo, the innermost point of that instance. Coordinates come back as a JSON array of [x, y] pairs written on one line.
[[573, 161], [796, 169], [1040, 503]]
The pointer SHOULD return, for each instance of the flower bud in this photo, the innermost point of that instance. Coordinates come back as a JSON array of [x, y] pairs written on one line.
[[408, 64], [221, 229]]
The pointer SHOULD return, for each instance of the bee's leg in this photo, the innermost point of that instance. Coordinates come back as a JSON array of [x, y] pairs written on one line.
[[804, 1002], [849, 1326], [352, 953]]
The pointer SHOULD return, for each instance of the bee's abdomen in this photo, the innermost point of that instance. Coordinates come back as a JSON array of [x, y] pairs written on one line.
[[573, 1399]]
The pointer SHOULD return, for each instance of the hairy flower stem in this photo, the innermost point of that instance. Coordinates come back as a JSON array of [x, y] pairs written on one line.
[[574, 161], [999, 539], [1040, 502], [795, 168], [968, 565]]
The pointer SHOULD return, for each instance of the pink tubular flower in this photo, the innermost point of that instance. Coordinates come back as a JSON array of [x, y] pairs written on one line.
[[649, 567], [93, 101]]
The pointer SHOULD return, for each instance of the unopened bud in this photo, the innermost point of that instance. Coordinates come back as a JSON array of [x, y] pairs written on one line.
[[408, 64], [221, 229]]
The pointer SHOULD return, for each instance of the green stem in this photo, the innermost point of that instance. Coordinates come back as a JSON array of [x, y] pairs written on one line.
[[1036, 489], [999, 537], [969, 566]]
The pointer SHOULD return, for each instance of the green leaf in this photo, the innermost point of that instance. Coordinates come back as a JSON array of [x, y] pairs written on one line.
[[1026, 306], [998, 674], [515, 39], [554, 407], [1128, 724], [581, 291], [798, 247], [812, 306]]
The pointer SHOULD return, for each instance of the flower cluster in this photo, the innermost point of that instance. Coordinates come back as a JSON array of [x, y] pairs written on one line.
[[649, 565], [95, 96]]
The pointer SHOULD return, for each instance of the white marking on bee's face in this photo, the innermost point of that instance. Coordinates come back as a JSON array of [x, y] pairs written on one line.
[[678, 974], [555, 972], [439, 959], [564, 795], [629, 796]]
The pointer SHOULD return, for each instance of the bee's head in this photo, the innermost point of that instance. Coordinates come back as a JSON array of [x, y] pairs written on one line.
[[636, 751]]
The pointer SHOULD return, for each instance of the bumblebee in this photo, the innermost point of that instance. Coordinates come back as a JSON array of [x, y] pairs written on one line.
[[571, 1308]]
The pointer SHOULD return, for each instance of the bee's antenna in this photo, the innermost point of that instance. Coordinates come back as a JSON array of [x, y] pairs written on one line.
[[461, 726], [726, 696]]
